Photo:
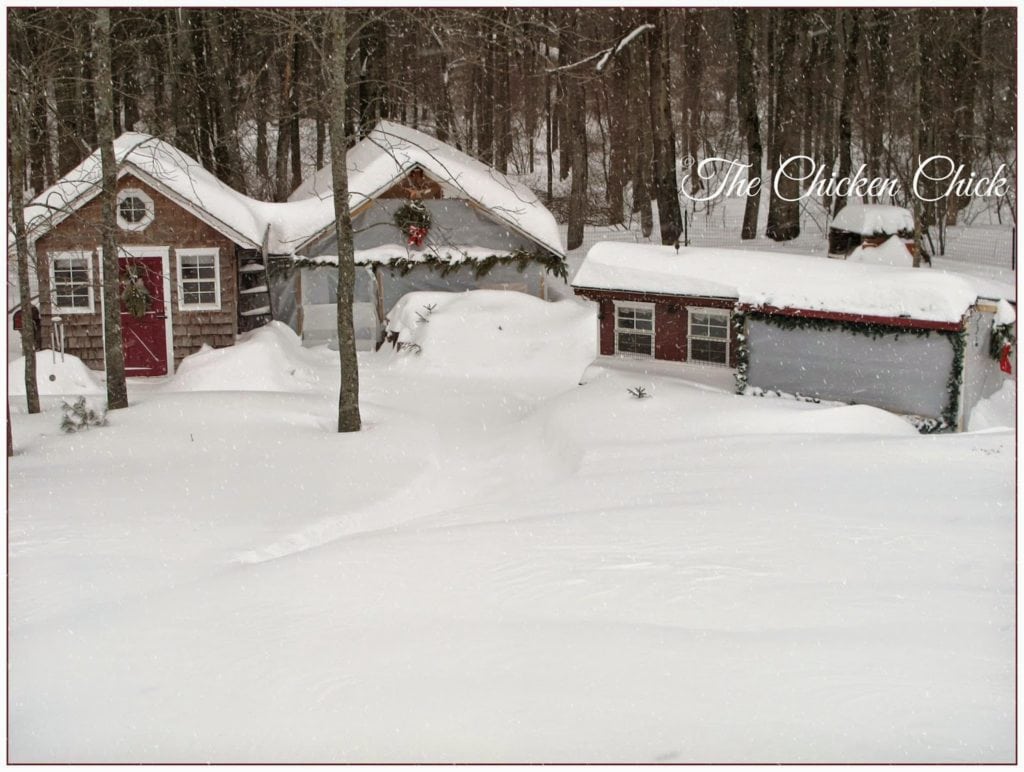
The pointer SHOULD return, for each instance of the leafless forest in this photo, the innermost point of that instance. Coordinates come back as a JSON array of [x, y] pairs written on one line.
[[601, 106]]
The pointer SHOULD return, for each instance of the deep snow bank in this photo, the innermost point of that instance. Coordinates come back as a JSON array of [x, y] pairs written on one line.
[[997, 411], [270, 358], [56, 375], [491, 334]]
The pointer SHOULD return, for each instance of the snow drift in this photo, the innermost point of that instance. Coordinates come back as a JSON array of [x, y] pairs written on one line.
[[491, 334], [56, 375], [270, 358]]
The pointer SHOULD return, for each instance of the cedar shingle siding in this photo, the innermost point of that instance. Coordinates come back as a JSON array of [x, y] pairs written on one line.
[[172, 227]]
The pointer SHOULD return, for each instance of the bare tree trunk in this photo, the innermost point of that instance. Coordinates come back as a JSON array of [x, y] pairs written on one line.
[[851, 33], [262, 153], [40, 160], [348, 397], [283, 123], [549, 150], [878, 104], [182, 76], [17, 139], [832, 61], [969, 50], [563, 140], [227, 134], [577, 112], [86, 90], [666, 185], [443, 105], [618, 120], [915, 132], [746, 106], [295, 141], [117, 389], [784, 206], [486, 102], [39, 147], [641, 124], [693, 71], [502, 101], [69, 152]]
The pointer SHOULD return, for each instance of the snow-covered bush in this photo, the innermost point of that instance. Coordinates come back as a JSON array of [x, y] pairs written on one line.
[[81, 415]]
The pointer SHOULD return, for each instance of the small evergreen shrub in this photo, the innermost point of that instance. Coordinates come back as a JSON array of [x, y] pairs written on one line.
[[81, 415]]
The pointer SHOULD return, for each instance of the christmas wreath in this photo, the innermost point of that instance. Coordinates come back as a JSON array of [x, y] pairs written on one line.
[[413, 220], [1001, 345], [135, 296]]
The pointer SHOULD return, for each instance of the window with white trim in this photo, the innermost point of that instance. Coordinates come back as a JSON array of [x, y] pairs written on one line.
[[708, 335], [135, 209], [198, 279], [71, 290], [634, 329]]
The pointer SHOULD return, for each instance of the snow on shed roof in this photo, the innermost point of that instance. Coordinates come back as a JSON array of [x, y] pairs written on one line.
[[391, 150], [184, 180], [785, 281], [873, 219]]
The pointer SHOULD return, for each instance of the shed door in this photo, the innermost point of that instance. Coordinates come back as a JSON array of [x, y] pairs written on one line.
[[143, 322]]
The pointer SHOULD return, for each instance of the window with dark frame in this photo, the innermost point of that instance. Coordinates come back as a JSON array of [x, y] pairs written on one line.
[[132, 209], [135, 210], [634, 330]]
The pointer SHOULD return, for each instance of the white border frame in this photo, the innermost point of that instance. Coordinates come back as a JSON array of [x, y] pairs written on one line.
[[142, 224], [197, 252], [73, 254], [615, 327], [714, 311], [164, 253]]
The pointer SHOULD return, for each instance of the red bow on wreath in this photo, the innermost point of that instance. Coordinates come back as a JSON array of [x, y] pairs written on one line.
[[416, 235], [1004, 360]]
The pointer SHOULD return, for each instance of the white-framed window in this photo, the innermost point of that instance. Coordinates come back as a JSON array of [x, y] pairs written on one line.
[[135, 210], [708, 335], [634, 329], [198, 279], [71, 290]]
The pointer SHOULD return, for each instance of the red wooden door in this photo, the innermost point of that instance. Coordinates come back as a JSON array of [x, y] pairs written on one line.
[[143, 316]]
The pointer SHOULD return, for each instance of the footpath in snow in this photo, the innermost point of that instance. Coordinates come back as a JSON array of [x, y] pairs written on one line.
[[514, 561]]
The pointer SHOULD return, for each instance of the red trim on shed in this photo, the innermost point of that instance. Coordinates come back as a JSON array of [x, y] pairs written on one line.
[[655, 297], [892, 321]]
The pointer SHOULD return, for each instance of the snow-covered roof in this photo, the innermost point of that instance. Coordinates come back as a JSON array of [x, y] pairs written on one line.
[[892, 251], [374, 164], [183, 179], [873, 219], [786, 281], [391, 150]]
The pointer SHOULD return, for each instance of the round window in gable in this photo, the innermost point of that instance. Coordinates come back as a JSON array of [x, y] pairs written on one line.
[[134, 209]]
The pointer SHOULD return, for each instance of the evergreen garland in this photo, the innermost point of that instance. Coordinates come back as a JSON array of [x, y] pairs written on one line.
[[481, 266], [956, 378], [739, 327], [867, 329]]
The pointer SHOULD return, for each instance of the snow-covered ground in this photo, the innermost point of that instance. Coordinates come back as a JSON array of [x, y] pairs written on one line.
[[515, 560]]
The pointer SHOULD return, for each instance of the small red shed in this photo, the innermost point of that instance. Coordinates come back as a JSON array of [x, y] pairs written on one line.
[[914, 341]]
